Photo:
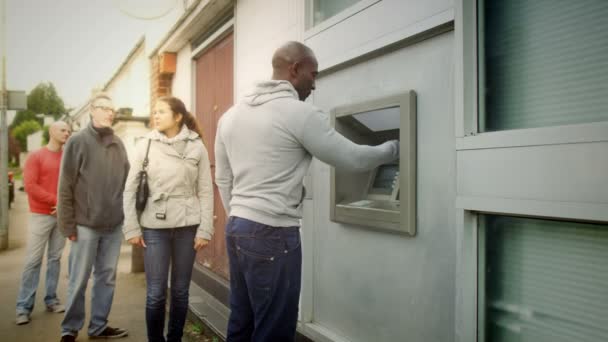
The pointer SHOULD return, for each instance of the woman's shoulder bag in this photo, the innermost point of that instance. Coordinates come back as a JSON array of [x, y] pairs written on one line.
[[143, 191]]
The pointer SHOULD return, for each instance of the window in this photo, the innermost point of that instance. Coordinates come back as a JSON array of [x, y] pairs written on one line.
[[542, 63], [325, 9], [542, 280]]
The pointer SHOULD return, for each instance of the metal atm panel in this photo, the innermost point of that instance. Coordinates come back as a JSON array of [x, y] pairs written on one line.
[[383, 198]]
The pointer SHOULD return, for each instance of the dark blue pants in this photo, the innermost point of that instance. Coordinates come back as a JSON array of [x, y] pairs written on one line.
[[174, 247], [265, 279]]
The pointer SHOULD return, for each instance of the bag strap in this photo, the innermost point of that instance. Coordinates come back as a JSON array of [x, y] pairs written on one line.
[[144, 165]]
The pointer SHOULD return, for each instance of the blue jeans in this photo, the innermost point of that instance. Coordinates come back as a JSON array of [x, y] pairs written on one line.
[[168, 247], [265, 281], [95, 251], [43, 232]]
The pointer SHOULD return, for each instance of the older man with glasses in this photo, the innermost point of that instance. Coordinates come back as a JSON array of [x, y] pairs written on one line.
[[91, 183]]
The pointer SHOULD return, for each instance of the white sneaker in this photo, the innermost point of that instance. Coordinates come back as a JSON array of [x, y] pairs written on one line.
[[22, 319], [55, 308]]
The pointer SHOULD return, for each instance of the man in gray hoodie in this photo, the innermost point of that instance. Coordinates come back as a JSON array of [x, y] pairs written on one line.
[[93, 172], [263, 148]]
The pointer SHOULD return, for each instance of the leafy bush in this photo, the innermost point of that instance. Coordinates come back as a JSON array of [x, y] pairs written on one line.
[[23, 130]]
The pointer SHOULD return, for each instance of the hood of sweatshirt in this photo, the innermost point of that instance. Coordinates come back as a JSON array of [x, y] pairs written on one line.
[[266, 91], [183, 135]]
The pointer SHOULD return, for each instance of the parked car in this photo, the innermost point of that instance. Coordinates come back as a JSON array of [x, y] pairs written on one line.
[[11, 188]]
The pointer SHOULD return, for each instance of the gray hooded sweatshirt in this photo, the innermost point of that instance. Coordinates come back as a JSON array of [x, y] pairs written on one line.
[[263, 149]]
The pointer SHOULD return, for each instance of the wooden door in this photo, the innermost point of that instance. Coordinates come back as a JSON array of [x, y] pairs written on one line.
[[214, 95]]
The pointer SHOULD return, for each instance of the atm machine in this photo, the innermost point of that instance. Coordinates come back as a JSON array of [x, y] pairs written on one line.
[[383, 198]]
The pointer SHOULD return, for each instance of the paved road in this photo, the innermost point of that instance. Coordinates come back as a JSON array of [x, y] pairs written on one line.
[[127, 311]]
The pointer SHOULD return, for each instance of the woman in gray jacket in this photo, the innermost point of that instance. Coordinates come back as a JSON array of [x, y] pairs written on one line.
[[178, 218]]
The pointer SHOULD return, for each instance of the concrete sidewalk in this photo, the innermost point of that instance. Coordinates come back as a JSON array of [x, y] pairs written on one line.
[[129, 301]]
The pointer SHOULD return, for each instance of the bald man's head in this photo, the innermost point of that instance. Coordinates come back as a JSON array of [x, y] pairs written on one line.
[[296, 63], [59, 132]]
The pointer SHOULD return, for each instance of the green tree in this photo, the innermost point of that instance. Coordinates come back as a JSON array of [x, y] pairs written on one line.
[[23, 130], [24, 115], [45, 135], [44, 99]]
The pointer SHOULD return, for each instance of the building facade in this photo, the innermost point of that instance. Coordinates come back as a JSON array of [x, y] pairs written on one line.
[[510, 200]]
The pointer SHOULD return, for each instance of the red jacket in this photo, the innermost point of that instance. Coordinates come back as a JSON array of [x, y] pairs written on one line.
[[41, 177]]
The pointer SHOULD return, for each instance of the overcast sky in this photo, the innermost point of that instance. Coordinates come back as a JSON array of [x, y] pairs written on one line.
[[77, 44]]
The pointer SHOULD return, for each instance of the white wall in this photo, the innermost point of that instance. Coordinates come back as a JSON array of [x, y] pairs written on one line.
[[182, 80], [34, 141], [128, 132], [84, 120], [48, 119], [80, 117], [10, 116], [261, 26], [131, 88]]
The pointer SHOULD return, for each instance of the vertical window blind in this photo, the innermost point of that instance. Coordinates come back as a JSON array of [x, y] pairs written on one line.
[[544, 280], [542, 63]]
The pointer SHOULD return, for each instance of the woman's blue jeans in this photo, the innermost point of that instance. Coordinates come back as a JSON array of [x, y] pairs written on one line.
[[168, 247]]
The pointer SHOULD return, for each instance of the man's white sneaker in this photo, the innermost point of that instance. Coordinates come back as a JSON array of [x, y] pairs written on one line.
[[55, 308], [22, 319]]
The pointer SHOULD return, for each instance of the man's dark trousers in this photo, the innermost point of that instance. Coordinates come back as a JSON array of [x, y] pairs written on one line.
[[265, 280]]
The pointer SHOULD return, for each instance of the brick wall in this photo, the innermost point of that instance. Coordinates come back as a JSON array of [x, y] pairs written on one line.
[[161, 78]]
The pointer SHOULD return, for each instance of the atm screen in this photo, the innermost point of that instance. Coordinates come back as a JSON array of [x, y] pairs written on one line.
[[384, 179]]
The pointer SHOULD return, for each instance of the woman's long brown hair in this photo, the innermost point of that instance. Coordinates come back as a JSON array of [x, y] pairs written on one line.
[[178, 107]]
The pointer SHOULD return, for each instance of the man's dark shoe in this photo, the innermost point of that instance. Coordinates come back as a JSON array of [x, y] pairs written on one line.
[[110, 332], [68, 338]]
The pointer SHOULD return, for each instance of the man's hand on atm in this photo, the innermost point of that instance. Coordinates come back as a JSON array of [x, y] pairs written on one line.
[[394, 145]]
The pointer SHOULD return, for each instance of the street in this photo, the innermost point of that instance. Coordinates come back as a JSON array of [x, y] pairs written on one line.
[[129, 299]]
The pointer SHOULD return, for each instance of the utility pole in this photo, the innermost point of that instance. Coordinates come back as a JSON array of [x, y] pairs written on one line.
[[3, 135], [9, 100]]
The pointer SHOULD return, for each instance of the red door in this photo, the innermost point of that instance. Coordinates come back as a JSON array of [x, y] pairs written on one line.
[[214, 88]]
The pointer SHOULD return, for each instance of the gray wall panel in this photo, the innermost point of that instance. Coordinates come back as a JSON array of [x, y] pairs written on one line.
[[377, 286], [566, 172]]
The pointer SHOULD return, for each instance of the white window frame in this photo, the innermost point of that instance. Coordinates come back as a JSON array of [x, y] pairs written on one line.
[[469, 137], [470, 73], [312, 30]]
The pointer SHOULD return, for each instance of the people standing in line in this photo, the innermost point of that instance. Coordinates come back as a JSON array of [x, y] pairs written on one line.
[[91, 184], [178, 218], [41, 175], [263, 149]]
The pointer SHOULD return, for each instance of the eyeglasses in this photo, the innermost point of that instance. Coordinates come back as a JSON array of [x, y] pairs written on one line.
[[106, 109]]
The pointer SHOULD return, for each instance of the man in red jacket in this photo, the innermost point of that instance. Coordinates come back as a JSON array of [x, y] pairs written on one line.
[[41, 176]]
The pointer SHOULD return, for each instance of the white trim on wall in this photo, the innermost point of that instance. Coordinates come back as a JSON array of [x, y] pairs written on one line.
[[570, 134], [308, 261], [426, 25], [319, 333], [216, 36], [466, 276], [193, 86], [579, 211], [311, 31], [465, 59]]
